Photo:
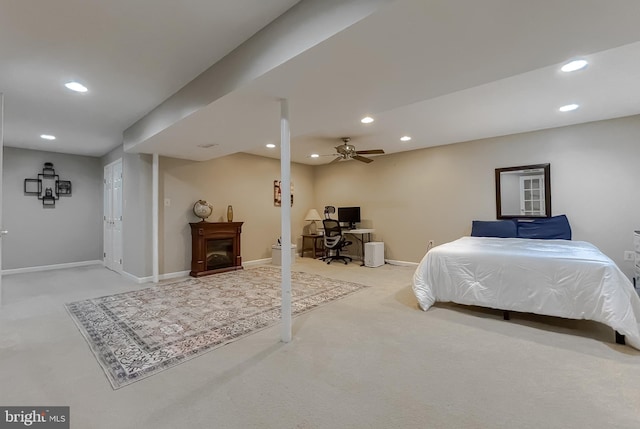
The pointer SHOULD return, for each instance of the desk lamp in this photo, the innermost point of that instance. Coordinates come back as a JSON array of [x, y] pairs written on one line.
[[313, 216]]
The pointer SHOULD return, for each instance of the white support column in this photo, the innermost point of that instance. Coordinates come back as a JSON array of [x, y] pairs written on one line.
[[285, 218], [154, 216]]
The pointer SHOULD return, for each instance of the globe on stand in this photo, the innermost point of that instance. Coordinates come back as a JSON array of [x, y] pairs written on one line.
[[202, 209]]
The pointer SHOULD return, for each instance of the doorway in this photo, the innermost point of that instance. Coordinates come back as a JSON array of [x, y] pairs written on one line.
[[532, 196], [112, 220]]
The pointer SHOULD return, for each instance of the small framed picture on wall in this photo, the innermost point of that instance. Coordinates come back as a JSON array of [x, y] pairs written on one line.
[[277, 193]]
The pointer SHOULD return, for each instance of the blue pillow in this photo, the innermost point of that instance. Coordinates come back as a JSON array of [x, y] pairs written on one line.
[[494, 228], [549, 228]]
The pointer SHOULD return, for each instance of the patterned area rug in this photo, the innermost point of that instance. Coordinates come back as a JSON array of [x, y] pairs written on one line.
[[138, 334]]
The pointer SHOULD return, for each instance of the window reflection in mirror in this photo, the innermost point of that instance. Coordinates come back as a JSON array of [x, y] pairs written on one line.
[[523, 192]]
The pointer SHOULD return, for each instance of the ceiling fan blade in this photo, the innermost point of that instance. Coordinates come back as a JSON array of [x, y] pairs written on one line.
[[362, 158], [336, 160], [370, 152]]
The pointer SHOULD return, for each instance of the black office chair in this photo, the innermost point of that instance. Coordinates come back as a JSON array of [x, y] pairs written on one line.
[[334, 241]]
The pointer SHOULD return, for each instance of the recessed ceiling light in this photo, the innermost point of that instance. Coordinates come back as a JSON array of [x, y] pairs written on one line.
[[47, 137], [76, 86], [270, 145], [568, 107], [405, 138], [366, 120], [315, 155], [574, 65]]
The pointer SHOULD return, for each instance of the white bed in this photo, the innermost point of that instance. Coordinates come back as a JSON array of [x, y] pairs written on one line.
[[571, 279]]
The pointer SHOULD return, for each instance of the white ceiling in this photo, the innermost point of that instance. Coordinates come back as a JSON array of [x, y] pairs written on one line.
[[130, 54], [441, 71]]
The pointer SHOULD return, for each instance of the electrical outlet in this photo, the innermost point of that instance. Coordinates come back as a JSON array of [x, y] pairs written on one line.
[[629, 255]]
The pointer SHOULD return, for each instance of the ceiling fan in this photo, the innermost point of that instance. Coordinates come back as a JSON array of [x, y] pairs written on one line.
[[348, 151]]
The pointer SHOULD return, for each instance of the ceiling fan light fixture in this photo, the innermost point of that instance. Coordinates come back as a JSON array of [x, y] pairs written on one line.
[[367, 120], [405, 138], [574, 65], [568, 107], [347, 151]]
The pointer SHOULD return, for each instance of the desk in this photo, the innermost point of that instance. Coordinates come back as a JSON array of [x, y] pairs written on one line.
[[317, 249], [365, 237]]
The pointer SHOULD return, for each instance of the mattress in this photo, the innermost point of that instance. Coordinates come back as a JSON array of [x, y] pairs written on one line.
[[571, 279]]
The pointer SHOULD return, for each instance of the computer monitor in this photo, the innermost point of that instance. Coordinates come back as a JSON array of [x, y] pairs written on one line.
[[349, 216]]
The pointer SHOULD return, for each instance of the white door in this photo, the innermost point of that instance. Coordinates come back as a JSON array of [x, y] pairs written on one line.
[[532, 196], [2, 231], [112, 219], [106, 219], [116, 206]]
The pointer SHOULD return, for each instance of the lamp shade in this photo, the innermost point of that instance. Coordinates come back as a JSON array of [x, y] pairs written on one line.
[[312, 215]]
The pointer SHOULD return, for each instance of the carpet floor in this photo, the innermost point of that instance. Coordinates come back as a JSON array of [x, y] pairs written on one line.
[[372, 359], [140, 333]]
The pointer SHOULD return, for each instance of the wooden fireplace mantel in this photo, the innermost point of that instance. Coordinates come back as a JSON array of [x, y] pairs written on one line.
[[215, 247]]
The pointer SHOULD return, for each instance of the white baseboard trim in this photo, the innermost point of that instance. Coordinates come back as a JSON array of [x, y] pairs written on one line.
[[50, 267], [178, 274], [133, 278], [256, 262], [175, 275], [149, 279], [401, 263]]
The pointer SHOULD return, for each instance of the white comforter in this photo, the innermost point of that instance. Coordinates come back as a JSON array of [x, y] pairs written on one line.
[[570, 279]]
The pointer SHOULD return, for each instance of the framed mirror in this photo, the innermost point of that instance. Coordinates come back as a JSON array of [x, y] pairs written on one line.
[[523, 192]]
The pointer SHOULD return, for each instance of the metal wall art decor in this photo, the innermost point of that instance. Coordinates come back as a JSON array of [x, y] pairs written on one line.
[[47, 187]]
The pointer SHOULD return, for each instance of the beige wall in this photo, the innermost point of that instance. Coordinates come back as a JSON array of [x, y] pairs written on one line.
[[435, 193], [241, 180], [409, 197]]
